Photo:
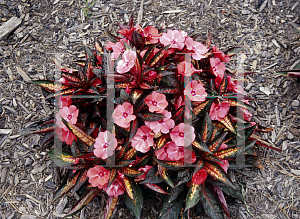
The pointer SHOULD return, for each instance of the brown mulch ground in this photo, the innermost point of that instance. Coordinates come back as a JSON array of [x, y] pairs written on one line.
[[262, 28]]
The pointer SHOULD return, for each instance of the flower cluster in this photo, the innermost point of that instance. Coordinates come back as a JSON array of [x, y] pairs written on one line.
[[175, 115]]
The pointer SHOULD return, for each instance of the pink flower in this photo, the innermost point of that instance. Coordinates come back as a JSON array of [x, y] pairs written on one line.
[[115, 189], [118, 48], [195, 91], [127, 62], [98, 176], [69, 114], [225, 162], [247, 114], [173, 37], [199, 177], [163, 125], [183, 134], [219, 54], [219, 110], [178, 153], [217, 67], [123, 115], [145, 170], [156, 102], [65, 135], [65, 101], [143, 140], [105, 145], [162, 154], [197, 48], [151, 34], [186, 69]]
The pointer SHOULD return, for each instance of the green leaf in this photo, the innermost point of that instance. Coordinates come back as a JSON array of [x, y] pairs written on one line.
[[152, 176], [61, 158], [236, 193], [211, 204], [135, 205], [199, 144], [151, 117], [158, 55], [183, 176], [86, 199], [193, 195], [176, 192], [296, 26], [125, 97], [217, 142], [171, 210]]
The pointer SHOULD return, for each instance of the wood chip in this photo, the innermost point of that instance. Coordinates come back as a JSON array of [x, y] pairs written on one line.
[[263, 5], [9, 26], [172, 11], [23, 74], [5, 131]]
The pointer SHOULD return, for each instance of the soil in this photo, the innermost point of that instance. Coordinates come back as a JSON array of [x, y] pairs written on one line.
[[59, 29]]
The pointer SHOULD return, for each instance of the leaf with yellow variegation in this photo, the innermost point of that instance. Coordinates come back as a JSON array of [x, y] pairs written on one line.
[[112, 175], [110, 206], [217, 142], [206, 130], [161, 142], [130, 154], [228, 124], [128, 187], [61, 158], [217, 172], [86, 199], [164, 174], [158, 55], [88, 140], [66, 186], [131, 172], [200, 108], [193, 195]]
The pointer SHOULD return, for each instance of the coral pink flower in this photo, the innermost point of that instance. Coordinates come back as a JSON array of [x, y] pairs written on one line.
[[145, 170], [151, 34], [143, 140], [178, 153], [173, 37], [197, 48], [127, 62], [218, 67], [65, 101], [98, 176], [186, 69], [69, 114], [183, 134], [163, 125], [109, 45], [156, 102], [199, 177], [65, 135], [195, 91], [105, 144], [123, 115], [219, 110], [219, 54], [115, 189]]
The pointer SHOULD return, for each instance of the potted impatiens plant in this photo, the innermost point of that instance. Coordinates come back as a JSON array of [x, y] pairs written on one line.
[[171, 124]]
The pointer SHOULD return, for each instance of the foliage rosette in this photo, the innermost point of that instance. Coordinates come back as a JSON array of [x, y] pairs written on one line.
[[176, 121]]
